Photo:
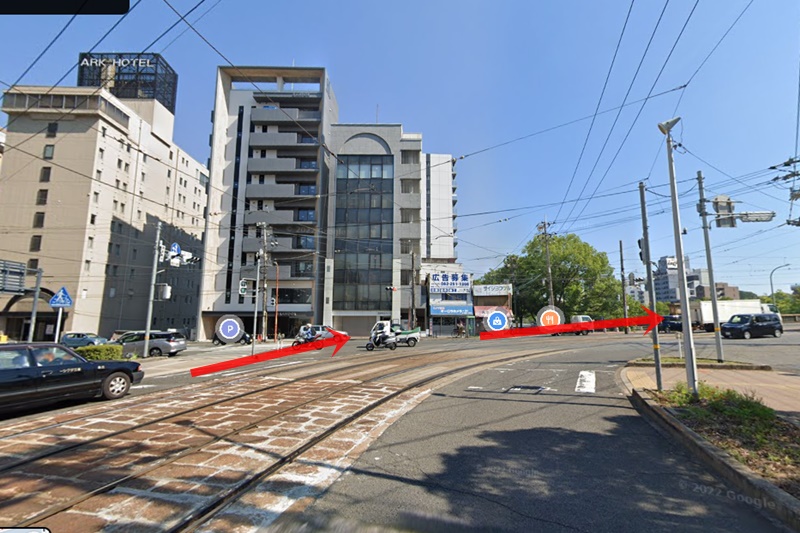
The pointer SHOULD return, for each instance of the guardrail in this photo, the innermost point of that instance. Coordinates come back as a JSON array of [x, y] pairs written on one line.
[[790, 318]]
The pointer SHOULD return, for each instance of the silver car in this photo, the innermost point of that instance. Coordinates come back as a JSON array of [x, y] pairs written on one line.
[[75, 340], [166, 343]]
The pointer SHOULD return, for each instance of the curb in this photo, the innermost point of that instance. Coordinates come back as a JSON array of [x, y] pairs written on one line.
[[775, 502], [723, 366]]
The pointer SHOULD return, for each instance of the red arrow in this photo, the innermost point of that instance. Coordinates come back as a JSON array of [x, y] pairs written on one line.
[[337, 340], [651, 320]]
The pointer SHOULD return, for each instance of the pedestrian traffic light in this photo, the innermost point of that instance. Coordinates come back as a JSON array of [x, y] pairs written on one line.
[[242, 287], [641, 250], [391, 288]]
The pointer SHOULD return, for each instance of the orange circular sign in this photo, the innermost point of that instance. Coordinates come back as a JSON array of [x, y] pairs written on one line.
[[550, 318]]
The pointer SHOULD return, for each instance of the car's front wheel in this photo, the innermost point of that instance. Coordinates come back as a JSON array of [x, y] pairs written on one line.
[[412, 342], [746, 335], [777, 333], [116, 386]]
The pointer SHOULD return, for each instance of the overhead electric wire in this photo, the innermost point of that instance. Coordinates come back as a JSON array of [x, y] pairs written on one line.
[[639, 113], [619, 111], [597, 107], [50, 44]]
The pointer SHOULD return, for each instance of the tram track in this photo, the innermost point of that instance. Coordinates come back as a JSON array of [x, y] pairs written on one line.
[[210, 508]]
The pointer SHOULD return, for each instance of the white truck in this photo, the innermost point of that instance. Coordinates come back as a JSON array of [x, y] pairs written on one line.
[[702, 314]]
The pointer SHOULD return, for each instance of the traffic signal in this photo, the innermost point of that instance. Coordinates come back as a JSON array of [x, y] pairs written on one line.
[[242, 287], [272, 302], [391, 288], [641, 250]]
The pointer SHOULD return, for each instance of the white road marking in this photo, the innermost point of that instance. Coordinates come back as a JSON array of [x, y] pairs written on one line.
[[474, 388], [142, 386], [586, 382]]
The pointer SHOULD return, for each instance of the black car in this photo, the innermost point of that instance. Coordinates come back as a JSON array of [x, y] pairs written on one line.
[[246, 339], [671, 323], [33, 374], [757, 325]]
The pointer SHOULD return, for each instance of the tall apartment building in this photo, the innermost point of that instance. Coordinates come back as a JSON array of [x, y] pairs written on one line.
[[85, 180], [269, 177], [341, 209]]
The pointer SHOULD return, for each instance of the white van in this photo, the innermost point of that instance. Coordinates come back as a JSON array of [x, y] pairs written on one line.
[[575, 319]]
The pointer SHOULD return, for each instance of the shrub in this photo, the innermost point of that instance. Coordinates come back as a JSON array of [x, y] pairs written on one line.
[[102, 352]]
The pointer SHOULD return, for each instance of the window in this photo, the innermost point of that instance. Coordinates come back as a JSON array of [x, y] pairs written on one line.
[[114, 270], [38, 220], [129, 147], [91, 243], [103, 131], [405, 246], [305, 242], [169, 173], [100, 153], [41, 197], [52, 129], [127, 167], [36, 243], [92, 219], [409, 186], [119, 163], [44, 175], [305, 215], [116, 184], [143, 176], [307, 189], [33, 264], [122, 208], [116, 205], [49, 150], [144, 158], [139, 214], [117, 249], [303, 268], [134, 254], [170, 155], [98, 175], [409, 157], [87, 266], [409, 215]]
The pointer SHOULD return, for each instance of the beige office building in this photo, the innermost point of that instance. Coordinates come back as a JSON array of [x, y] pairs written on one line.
[[85, 180]]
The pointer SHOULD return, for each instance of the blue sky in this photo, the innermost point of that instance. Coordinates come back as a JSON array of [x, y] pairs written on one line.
[[471, 75]]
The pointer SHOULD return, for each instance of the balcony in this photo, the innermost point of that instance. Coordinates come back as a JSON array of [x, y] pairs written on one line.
[[274, 165], [287, 116], [270, 190], [269, 217], [281, 140]]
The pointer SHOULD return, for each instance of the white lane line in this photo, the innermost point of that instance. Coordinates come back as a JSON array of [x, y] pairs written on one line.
[[474, 388], [586, 382], [142, 386]]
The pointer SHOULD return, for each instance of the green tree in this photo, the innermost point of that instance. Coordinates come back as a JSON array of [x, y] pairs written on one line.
[[583, 280]]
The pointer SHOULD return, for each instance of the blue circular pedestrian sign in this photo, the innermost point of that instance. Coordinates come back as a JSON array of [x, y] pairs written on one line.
[[496, 321], [175, 249]]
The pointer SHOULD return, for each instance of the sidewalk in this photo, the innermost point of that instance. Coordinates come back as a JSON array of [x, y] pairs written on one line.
[[778, 389]]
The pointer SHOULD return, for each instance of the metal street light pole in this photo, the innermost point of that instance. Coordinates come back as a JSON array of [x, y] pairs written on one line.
[[688, 340], [771, 289]]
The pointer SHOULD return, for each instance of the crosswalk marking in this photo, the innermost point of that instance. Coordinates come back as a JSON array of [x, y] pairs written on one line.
[[586, 382]]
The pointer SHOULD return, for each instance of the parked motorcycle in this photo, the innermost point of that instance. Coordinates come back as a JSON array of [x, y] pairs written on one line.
[[382, 339]]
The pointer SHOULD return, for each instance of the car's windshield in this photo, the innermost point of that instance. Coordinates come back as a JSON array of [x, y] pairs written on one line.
[[740, 319]]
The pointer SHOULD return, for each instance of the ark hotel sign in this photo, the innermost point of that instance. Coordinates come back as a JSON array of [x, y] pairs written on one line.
[[117, 62]]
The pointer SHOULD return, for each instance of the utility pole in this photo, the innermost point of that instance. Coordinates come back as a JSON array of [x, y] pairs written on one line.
[[255, 302], [264, 262], [35, 305], [153, 274], [543, 228], [701, 207], [624, 296], [277, 294], [413, 315], [651, 290]]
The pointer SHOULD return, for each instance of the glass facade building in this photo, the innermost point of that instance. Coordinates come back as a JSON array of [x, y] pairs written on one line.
[[364, 232]]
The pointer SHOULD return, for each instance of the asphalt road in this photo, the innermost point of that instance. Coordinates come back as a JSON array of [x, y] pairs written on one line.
[[518, 448]]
